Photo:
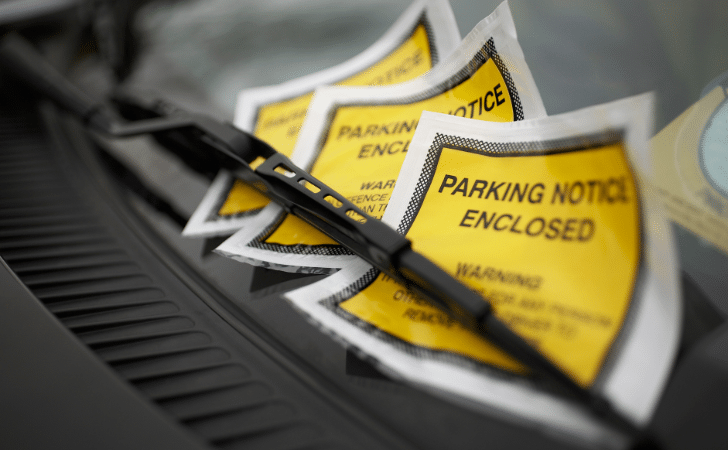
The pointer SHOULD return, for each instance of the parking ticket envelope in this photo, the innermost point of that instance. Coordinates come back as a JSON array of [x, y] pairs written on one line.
[[425, 33], [355, 139], [691, 158], [550, 220]]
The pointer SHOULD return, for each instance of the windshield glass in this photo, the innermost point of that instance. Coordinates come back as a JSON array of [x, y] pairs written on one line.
[[201, 54]]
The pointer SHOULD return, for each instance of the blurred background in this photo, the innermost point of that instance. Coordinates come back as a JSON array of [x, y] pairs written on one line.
[[580, 52]]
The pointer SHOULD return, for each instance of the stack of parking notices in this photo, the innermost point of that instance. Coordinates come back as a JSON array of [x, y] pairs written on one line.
[[549, 219], [355, 139], [424, 34]]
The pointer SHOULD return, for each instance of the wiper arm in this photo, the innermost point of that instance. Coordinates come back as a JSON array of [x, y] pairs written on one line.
[[225, 146]]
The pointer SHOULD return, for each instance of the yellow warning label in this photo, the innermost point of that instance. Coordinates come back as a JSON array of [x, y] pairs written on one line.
[[242, 197], [366, 144], [278, 123], [392, 308], [552, 241]]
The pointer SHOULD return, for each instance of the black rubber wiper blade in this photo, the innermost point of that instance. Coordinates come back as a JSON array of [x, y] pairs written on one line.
[[308, 198]]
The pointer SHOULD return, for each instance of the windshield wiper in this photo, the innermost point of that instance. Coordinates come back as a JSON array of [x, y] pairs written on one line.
[[211, 143]]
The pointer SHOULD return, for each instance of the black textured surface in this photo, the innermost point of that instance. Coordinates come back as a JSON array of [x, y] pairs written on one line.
[[145, 322], [56, 394]]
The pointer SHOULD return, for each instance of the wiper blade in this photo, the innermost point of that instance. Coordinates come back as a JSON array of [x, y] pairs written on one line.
[[224, 146]]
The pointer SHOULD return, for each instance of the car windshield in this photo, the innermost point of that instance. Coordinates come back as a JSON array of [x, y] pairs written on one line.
[[199, 55]]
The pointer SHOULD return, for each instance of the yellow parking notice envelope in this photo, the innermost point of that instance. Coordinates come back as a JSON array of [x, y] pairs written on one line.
[[549, 220], [355, 139], [691, 167], [424, 34]]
